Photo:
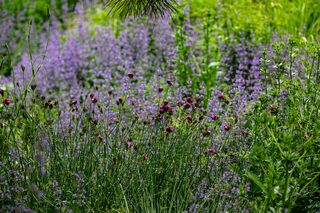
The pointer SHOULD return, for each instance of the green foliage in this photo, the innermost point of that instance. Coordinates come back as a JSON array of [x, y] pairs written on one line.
[[158, 173], [262, 18], [36, 9], [283, 162], [19, 13], [125, 165]]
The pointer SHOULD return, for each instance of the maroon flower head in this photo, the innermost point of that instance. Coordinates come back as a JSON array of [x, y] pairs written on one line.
[[187, 105], [145, 157], [169, 129], [226, 127], [221, 96], [94, 100], [169, 108], [180, 103], [130, 74], [6, 101], [245, 132], [273, 107], [190, 100], [199, 98], [119, 101], [130, 144], [160, 89], [212, 150], [162, 109], [189, 118], [215, 117], [165, 102]]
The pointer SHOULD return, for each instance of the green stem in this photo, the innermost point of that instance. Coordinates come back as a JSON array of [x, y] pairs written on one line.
[[286, 184]]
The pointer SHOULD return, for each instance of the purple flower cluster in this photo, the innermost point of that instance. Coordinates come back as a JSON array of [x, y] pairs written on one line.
[[107, 79], [135, 60]]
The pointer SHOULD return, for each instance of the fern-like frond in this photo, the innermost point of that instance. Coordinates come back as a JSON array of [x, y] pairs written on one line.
[[138, 8]]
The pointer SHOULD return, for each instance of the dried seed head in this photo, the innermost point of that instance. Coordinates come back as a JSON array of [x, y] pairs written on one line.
[[170, 83], [23, 68], [119, 101]]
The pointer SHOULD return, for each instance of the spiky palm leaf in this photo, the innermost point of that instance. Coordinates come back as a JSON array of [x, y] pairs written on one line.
[[136, 8]]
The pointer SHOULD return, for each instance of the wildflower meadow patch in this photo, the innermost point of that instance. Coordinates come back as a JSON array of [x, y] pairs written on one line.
[[177, 107]]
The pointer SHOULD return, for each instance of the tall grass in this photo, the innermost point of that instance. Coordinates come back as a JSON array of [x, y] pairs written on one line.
[[158, 116]]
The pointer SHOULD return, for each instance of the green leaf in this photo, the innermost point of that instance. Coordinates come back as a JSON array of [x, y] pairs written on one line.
[[256, 180], [214, 64]]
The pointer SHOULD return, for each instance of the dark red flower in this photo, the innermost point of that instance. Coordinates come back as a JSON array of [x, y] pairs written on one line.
[[212, 150], [170, 129], [221, 96], [273, 107], [6, 101], [187, 105], [162, 109], [190, 100], [245, 132], [180, 103], [166, 108], [94, 100], [215, 117], [160, 89], [130, 74], [169, 108], [119, 101], [199, 98], [130, 144], [226, 127], [145, 157], [189, 118]]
